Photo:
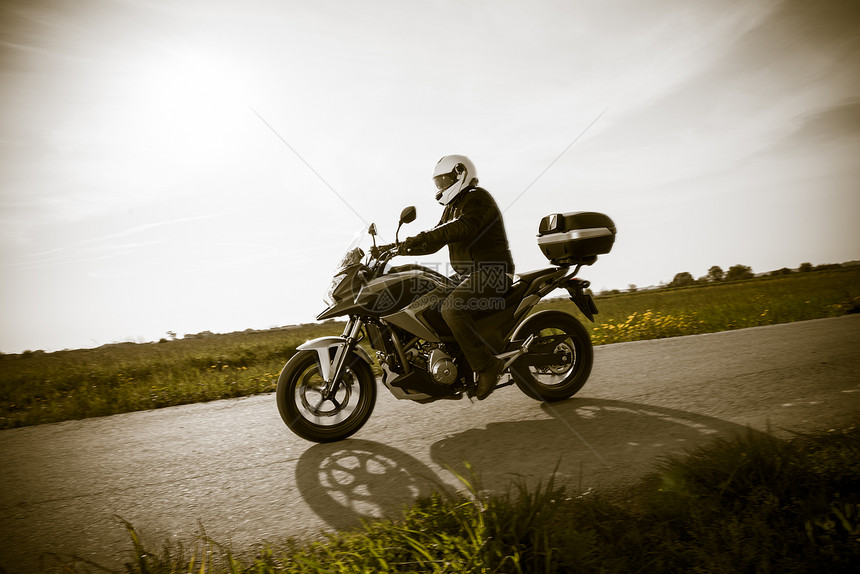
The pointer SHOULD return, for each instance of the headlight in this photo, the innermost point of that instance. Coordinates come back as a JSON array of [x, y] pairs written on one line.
[[335, 283]]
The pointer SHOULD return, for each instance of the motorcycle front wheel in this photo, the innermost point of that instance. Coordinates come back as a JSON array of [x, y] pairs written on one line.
[[569, 342], [314, 417]]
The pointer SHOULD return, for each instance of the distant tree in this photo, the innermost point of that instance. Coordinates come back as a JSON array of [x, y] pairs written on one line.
[[716, 274], [682, 280], [805, 267], [780, 272], [738, 272], [827, 266], [632, 288]]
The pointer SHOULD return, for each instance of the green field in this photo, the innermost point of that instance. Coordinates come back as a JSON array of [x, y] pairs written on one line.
[[37, 387], [717, 307]]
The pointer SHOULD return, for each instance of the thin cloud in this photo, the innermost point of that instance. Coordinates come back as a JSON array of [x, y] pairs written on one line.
[[147, 227], [841, 120]]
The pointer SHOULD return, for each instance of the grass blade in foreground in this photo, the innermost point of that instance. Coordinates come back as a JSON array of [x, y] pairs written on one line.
[[751, 503]]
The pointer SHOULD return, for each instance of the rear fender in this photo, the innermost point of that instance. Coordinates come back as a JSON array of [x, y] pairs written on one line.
[[539, 316], [576, 289], [326, 349]]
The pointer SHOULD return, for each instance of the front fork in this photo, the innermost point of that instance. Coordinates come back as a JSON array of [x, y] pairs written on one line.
[[351, 337]]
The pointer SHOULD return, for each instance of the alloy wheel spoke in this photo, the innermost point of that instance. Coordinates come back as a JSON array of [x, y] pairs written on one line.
[[316, 409]]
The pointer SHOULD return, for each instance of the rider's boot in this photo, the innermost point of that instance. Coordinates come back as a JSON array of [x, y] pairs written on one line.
[[488, 378]]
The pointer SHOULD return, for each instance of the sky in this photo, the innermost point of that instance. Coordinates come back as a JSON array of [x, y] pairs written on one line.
[[189, 165]]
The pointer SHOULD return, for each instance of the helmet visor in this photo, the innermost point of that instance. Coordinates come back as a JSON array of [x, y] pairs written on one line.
[[445, 180]]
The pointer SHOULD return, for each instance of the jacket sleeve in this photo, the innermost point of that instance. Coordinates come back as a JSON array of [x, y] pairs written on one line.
[[477, 211]]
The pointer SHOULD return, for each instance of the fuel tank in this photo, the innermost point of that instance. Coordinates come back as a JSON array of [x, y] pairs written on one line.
[[395, 291]]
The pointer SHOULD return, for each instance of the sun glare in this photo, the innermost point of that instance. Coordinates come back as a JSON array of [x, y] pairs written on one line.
[[191, 78], [186, 86], [182, 103]]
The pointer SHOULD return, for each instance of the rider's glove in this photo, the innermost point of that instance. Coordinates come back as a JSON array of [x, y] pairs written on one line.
[[375, 251], [413, 245]]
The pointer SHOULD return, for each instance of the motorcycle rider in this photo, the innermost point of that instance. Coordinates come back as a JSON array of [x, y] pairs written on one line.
[[472, 228]]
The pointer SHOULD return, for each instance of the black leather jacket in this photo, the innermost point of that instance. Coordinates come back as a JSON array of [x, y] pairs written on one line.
[[472, 228]]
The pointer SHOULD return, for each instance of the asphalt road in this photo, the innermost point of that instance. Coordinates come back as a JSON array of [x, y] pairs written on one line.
[[234, 467]]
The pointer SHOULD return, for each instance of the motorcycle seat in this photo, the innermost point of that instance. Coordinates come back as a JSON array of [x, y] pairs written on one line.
[[529, 276]]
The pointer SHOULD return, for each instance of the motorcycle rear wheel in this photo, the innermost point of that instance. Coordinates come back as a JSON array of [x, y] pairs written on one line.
[[560, 381], [311, 416]]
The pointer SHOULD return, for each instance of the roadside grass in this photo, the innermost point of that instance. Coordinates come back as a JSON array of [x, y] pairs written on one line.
[[714, 307], [749, 503], [38, 387]]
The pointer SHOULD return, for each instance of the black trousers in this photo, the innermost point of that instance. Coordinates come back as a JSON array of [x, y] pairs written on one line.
[[481, 293]]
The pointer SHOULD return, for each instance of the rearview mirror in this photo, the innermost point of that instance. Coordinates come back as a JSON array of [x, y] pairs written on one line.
[[407, 215], [372, 229]]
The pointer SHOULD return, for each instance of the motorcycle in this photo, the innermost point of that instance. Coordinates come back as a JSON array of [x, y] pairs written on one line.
[[327, 391]]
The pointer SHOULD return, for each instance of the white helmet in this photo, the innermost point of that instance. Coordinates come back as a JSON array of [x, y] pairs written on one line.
[[453, 174]]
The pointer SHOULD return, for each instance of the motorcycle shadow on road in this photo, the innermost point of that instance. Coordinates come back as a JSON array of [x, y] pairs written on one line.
[[586, 443], [354, 480]]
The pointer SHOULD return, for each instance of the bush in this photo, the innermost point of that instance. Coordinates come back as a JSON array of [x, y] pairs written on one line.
[[684, 279], [739, 273]]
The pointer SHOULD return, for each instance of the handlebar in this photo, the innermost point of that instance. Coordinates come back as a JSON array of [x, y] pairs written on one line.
[[390, 251], [379, 257]]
